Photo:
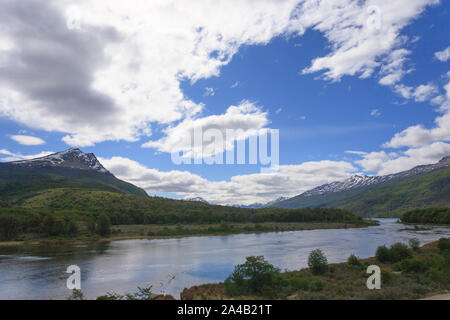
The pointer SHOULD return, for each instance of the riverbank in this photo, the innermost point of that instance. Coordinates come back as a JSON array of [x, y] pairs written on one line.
[[154, 231], [425, 274]]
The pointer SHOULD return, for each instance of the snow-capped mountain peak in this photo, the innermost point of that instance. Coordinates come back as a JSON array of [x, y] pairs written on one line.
[[357, 181], [72, 158]]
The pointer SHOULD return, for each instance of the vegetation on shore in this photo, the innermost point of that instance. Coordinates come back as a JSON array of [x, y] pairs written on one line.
[[80, 214], [406, 273], [428, 215], [155, 231]]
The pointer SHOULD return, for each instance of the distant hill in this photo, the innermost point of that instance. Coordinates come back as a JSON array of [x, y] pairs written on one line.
[[68, 169], [390, 195]]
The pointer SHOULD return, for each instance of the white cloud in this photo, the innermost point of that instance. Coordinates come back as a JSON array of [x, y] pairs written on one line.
[[364, 35], [246, 117], [209, 92], [375, 113], [392, 70], [417, 135], [27, 140], [242, 189], [127, 59], [235, 85], [383, 163], [420, 93], [359, 153], [10, 156], [130, 60], [443, 55]]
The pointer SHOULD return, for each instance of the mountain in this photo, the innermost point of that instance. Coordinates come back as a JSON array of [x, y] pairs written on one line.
[[73, 158], [422, 186], [258, 205], [67, 169], [197, 199]]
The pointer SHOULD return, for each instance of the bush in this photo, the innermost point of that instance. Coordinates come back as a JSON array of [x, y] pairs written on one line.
[[399, 251], [413, 265], [395, 253], [353, 260], [255, 276], [383, 254], [317, 262], [443, 244], [414, 243]]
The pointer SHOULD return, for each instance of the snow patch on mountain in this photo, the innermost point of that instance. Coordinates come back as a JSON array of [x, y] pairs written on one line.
[[72, 158]]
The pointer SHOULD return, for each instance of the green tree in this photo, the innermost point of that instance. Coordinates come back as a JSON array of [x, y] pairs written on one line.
[[9, 228], [103, 225], [353, 260], [52, 226], [255, 276], [414, 243], [317, 262]]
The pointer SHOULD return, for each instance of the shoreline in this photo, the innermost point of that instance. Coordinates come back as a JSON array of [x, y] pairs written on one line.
[[341, 288], [274, 227]]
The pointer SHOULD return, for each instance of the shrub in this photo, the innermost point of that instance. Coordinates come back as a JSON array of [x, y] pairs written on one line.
[[399, 251], [383, 254], [76, 295], [255, 276], [395, 253], [353, 260], [443, 244], [413, 265], [317, 262], [414, 243]]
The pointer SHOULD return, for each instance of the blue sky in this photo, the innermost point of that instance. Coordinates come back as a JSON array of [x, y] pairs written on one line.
[[338, 119]]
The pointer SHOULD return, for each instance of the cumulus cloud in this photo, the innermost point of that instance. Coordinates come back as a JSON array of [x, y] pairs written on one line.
[[443, 55], [241, 189], [420, 93], [237, 123], [417, 135], [27, 140], [364, 36], [383, 163], [423, 146], [106, 70]]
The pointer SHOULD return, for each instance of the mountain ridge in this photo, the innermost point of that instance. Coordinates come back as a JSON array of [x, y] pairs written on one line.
[[419, 187], [358, 181], [71, 168]]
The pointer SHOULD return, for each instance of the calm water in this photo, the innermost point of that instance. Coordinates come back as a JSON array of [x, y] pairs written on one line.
[[173, 264]]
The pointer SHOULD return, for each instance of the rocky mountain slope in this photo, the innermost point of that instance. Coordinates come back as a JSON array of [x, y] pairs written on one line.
[[67, 169], [422, 186]]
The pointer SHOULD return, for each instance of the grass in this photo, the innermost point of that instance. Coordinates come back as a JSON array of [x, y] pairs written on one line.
[[426, 273]]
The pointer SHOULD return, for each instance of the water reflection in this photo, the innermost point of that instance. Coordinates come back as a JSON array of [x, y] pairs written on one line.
[[173, 264]]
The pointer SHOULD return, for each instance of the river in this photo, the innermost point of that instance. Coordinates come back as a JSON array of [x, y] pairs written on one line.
[[170, 265]]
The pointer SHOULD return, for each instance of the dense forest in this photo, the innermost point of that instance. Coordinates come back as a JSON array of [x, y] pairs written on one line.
[[429, 215], [61, 212]]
